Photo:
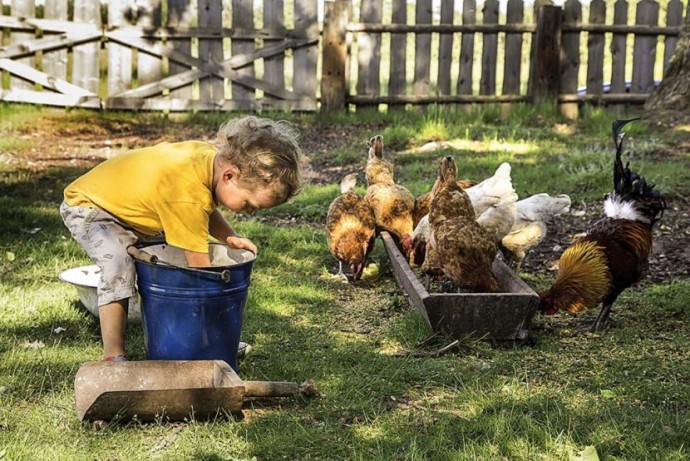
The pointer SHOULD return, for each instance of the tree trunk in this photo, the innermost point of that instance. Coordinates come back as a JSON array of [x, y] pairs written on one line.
[[673, 94]]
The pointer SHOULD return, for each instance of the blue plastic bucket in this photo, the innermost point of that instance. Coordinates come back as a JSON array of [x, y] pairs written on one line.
[[193, 314]]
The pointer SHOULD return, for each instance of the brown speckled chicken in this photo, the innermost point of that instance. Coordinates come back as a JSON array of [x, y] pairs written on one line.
[[614, 253], [351, 228], [459, 248], [421, 203], [391, 203], [493, 201]]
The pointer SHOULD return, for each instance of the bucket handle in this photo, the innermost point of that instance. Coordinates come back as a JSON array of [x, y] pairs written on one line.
[[142, 255]]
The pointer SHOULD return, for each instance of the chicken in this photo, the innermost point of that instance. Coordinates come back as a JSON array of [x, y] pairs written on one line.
[[351, 228], [614, 252], [391, 203], [421, 203], [493, 201], [458, 248], [529, 229], [494, 191]]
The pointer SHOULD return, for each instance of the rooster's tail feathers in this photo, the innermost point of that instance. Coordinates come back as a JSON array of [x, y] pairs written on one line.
[[622, 176], [630, 186]]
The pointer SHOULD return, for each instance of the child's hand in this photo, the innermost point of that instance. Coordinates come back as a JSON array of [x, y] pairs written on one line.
[[241, 243]]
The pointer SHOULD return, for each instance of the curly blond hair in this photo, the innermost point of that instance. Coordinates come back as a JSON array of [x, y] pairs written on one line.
[[265, 152]]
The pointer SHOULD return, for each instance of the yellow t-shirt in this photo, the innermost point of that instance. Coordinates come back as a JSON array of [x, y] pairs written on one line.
[[165, 188]]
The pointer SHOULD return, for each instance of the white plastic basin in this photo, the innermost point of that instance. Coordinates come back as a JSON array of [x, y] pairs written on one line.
[[85, 280]]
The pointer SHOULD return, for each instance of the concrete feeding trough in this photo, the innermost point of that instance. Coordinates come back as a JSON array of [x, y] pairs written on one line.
[[504, 316]]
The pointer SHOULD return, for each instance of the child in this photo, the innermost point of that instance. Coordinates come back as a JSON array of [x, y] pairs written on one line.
[[170, 192]]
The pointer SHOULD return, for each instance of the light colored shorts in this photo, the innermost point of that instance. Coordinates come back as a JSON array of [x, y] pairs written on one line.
[[105, 240]]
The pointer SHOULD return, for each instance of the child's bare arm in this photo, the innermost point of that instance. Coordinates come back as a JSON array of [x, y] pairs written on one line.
[[195, 259], [222, 231]]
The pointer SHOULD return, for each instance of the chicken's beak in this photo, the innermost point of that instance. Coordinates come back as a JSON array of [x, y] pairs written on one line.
[[356, 270]]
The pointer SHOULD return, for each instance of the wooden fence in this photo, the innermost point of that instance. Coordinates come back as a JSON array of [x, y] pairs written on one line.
[[272, 54], [160, 55], [449, 56]]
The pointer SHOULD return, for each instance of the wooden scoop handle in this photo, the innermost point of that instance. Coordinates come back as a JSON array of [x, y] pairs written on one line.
[[270, 388]]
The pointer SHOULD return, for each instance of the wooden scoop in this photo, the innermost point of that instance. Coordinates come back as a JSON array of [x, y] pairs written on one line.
[[169, 389]]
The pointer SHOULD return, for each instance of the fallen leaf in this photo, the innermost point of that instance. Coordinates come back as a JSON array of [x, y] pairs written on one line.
[[33, 345], [588, 454], [32, 231], [10, 256], [59, 330]]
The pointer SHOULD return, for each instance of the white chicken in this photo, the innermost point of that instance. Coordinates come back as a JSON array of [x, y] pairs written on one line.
[[495, 191], [529, 228]]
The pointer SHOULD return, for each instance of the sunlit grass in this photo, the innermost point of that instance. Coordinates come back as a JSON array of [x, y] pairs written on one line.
[[623, 391]]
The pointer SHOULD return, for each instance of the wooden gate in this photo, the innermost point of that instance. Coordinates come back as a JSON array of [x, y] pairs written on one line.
[[174, 55]]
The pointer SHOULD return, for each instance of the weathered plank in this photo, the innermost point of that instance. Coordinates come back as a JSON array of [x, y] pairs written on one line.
[[86, 58], [242, 16], [422, 53], [150, 17], [445, 48], [47, 98], [31, 25], [180, 15], [618, 48], [30, 74], [595, 47], [210, 17], [397, 81], [369, 50], [185, 105], [513, 55], [674, 17], [304, 59], [53, 42], [440, 99], [119, 75], [333, 78], [570, 56], [55, 62], [274, 67], [457, 28], [545, 75], [22, 8], [644, 49], [469, 16], [487, 83]]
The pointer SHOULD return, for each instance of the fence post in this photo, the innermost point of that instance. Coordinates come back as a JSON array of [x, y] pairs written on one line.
[[546, 68], [334, 55]]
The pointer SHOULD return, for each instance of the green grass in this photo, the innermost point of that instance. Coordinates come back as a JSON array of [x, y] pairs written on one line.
[[624, 391]]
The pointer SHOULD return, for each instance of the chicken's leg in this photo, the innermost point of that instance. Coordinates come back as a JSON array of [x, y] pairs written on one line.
[[340, 271], [603, 317]]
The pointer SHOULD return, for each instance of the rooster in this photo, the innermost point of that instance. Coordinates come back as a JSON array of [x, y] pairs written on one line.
[[351, 228], [391, 203], [459, 248], [532, 214], [614, 253]]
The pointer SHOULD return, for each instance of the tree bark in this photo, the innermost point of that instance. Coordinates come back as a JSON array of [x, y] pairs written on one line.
[[673, 94]]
